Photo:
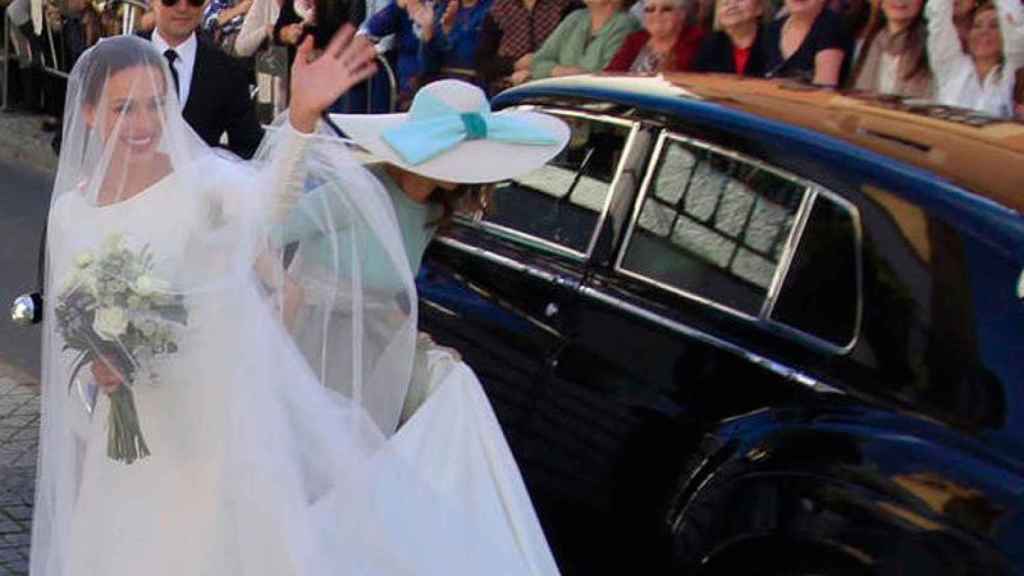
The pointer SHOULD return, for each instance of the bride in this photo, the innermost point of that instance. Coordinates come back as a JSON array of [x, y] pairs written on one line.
[[184, 429]]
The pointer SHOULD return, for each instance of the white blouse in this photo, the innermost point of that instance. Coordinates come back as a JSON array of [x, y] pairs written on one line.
[[956, 78]]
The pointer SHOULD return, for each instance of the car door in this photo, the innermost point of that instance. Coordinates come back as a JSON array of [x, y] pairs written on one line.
[[502, 288], [688, 321]]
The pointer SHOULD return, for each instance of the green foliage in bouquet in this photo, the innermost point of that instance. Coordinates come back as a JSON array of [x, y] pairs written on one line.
[[114, 310]]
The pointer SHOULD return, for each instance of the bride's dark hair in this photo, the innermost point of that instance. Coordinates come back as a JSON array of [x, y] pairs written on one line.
[[112, 55]]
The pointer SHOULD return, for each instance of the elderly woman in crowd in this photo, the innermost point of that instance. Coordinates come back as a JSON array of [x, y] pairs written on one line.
[[585, 41], [982, 78], [892, 58], [734, 48], [807, 43], [667, 42], [512, 32]]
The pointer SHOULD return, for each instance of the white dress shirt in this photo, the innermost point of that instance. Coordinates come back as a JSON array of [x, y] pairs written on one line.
[[955, 76], [184, 64]]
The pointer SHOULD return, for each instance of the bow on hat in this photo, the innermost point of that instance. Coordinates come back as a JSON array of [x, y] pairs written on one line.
[[434, 127]]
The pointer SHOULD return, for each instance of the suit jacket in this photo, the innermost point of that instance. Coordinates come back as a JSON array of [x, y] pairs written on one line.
[[218, 101]]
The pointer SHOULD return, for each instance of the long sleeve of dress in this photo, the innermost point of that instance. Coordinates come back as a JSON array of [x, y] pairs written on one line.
[[268, 191]]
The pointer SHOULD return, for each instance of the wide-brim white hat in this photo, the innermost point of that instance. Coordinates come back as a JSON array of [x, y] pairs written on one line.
[[471, 161]]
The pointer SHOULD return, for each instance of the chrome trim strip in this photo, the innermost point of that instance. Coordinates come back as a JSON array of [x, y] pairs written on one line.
[[786, 372], [858, 238], [641, 197], [803, 214], [442, 309], [502, 261], [577, 114], [613, 186], [519, 236]]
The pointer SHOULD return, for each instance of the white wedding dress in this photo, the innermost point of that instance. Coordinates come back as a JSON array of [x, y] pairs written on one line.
[[261, 462], [223, 491]]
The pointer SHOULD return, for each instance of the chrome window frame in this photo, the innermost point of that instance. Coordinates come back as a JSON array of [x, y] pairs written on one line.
[[812, 192], [613, 186]]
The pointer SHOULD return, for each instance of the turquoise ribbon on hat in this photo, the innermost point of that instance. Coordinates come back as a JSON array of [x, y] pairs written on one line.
[[434, 127]]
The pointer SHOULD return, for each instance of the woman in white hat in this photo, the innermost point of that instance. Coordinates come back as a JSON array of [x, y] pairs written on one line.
[[441, 156]]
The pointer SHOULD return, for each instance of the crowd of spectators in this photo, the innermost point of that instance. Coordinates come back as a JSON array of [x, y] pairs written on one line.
[[966, 53]]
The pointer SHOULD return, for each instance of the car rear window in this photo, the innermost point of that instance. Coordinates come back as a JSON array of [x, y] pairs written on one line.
[[739, 235]]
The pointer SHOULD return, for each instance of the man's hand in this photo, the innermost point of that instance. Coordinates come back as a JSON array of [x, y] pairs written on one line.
[[318, 82]]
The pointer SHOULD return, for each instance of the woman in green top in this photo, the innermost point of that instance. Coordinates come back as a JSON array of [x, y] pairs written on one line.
[[444, 155], [586, 40]]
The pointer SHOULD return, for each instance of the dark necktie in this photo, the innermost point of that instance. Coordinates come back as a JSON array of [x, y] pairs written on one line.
[[171, 56]]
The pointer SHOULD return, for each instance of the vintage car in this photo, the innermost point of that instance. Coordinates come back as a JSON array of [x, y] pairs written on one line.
[[751, 327]]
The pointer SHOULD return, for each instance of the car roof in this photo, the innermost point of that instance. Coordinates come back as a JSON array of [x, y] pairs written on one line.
[[979, 153]]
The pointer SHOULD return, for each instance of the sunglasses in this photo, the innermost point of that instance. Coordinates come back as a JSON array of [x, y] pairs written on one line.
[[192, 3], [651, 9]]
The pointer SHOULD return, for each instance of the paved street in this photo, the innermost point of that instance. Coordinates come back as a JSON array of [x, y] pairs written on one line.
[[25, 180]]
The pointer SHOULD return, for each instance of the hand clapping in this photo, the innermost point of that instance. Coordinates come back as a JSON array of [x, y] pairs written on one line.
[[317, 82]]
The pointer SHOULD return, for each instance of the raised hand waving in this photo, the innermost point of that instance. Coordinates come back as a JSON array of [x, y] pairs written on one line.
[[318, 81]]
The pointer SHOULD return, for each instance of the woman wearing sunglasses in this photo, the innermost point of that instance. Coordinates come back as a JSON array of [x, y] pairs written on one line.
[[667, 43]]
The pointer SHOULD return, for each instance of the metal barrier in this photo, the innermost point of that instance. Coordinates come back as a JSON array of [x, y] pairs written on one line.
[[384, 65], [7, 60], [131, 10]]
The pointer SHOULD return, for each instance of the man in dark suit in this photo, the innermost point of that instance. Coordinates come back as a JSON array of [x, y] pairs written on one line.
[[213, 87]]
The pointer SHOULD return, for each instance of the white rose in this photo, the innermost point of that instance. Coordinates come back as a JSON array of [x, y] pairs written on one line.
[[84, 259], [147, 285], [110, 323], [112, 243]]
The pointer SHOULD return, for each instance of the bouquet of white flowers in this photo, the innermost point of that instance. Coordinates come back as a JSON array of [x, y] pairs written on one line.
[[114, 310]]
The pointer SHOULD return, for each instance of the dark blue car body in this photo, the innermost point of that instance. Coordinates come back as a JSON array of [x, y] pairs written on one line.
[[833, 387]]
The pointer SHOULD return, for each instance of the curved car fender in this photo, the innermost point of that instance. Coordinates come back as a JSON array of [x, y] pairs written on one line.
[[887, 489]]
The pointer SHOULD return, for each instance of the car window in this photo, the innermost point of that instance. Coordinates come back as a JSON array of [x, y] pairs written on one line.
[[713, 226], [820, 293], [716, 226], [558, 206]]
